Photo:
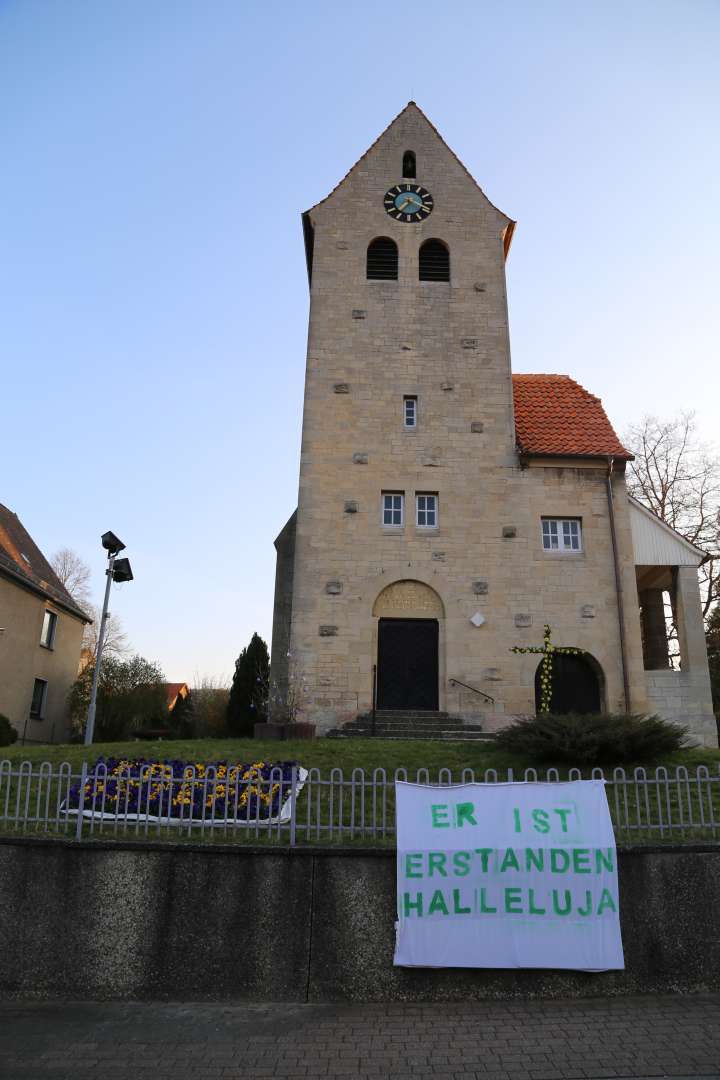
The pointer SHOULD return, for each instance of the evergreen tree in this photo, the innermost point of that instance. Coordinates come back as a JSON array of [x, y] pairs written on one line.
[[248, 694]]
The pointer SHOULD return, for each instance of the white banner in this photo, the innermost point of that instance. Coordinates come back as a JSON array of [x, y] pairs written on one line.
[[507, 876]]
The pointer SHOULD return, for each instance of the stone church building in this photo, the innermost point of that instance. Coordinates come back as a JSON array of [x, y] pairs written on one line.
[[449, 509]]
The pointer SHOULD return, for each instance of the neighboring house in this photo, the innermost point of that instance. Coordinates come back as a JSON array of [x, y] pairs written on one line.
[[448, 508], [176, 691], [41, 629]]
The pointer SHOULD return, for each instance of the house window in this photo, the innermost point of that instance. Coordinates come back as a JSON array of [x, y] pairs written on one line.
[[410, 412], [47, 635], [434, 261], [37, 705], [408, 165], [562, 534], [393, 508], [426, 511], [382, 260]]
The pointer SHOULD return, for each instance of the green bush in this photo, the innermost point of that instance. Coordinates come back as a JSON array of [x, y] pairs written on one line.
[[593, 739], [8, 734]]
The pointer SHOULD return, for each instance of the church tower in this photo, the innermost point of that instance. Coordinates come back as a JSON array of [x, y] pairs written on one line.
[[447, 510], [408, 400]]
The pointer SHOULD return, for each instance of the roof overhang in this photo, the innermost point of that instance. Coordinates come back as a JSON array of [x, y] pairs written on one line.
[[30, 586], [655, 543]]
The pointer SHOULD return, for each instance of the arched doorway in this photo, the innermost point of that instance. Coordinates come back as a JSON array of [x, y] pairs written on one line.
[[576, 684], [409, 615]]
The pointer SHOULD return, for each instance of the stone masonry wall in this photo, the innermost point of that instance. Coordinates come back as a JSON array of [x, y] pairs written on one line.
[[92, 921], [371, 343]]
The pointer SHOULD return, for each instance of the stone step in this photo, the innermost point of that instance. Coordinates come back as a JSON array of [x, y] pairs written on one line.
[[444, 736], [410, 714], [411, 724]]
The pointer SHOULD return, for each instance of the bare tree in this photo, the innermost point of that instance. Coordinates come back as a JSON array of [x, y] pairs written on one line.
[[678, 477], [115, 643], [74, 574], [210, 695]]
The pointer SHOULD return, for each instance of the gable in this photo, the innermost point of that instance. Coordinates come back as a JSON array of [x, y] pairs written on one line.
[[380, 167], [657, 544]]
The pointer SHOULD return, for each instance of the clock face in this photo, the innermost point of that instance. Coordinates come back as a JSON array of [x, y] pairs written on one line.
[[408, 202]]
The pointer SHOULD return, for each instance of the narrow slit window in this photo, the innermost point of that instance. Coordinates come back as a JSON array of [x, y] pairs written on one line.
[[382, 260], [434, 261], [409, 165], [410, 412], [392, 513], [37, 705], [427, 515]]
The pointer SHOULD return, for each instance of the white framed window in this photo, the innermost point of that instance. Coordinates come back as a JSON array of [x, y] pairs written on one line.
[[562, 534], [37, 705], [410, 412], [393, 509], [47, 634], [426, 511]]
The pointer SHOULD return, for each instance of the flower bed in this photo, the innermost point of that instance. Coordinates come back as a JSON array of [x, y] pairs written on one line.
[[181, 792]]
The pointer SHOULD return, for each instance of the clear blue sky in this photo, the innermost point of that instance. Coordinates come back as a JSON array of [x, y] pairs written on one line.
[[156, 157]]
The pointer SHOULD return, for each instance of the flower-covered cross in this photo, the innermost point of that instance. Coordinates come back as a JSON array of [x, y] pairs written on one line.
[[546, 651]]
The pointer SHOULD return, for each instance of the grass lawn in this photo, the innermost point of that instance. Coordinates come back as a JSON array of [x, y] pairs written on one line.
[[359, 810], [325, 754]]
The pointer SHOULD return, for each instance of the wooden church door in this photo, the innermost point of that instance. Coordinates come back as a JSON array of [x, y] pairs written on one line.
[[407, 664]]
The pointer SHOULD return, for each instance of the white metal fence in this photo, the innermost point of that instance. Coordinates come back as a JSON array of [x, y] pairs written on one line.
[[290, 805]]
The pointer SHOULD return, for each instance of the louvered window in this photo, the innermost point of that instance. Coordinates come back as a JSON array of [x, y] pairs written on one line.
[[382, 260], [434, 261], [409, 165]]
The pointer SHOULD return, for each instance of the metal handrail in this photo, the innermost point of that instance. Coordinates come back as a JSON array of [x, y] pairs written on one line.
[[457, 682]]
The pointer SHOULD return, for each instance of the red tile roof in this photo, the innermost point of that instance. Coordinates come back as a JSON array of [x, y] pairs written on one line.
[[173, 689], [22, 560], [556, 417]]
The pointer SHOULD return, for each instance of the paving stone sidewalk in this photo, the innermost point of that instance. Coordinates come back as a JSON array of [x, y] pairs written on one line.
[[636, 1037]]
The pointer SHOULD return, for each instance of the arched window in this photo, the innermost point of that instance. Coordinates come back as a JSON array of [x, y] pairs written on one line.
[[382, 260], [409, 165], [434, 261]]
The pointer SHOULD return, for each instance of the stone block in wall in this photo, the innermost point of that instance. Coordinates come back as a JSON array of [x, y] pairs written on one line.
[[477, 426], [588, 611], [469, 343], [509, 532], [333, 588], [480, 588], [327, 631], [341, 388], [523, 619], [492, 674], [358, 313], [350, 507], [360, 459], [438, 556]]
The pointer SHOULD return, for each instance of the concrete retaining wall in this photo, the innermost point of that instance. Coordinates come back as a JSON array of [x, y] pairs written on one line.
[[190, 923]]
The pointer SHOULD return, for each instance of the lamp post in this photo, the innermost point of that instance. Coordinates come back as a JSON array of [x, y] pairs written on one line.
[[117, 570]]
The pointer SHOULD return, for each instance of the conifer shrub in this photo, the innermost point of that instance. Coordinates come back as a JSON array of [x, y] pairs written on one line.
[[597, 739], [8, 734]]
